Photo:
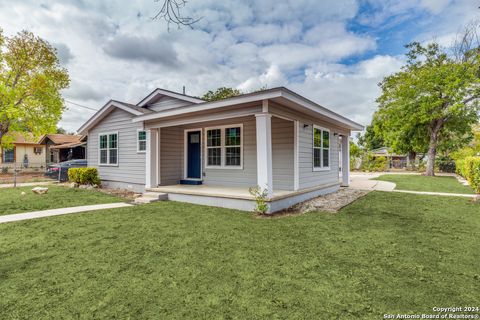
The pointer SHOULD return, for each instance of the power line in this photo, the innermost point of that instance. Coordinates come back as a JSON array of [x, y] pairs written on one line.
[[80, 105]]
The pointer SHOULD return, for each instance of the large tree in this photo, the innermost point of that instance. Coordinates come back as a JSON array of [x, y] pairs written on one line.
[[432, 99], [30, 82], [221, 93]]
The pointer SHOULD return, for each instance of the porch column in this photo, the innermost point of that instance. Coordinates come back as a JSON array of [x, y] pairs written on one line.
[[151, 155], [264, 152], [345, 160]]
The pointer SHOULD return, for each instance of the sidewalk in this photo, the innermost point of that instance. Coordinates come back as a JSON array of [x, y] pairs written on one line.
[[60, 211]]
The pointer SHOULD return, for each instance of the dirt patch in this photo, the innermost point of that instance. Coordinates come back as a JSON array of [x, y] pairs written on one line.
[[122, 193], [7, 178], [332, 203]]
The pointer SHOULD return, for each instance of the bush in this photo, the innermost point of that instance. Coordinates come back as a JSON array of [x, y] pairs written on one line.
[[87, 176], [445, 165], [372, 163], [260, 199], [4, 170], [469, 168]]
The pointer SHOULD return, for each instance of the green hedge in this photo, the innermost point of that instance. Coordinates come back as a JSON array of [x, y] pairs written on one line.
[[372, 163], [469, 168], [84, 176]]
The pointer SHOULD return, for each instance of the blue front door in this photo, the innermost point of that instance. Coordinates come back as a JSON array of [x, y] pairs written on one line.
[[194, 164]]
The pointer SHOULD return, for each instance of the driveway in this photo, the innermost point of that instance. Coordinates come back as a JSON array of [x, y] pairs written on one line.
[[361, 181]]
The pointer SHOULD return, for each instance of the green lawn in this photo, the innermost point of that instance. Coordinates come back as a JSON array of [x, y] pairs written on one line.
[[11, 200], [424, 183], [386, 253]]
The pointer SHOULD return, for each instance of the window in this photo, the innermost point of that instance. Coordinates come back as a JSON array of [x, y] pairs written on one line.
[[321, 148], [224, 147], [8, 156], [108, 149], [141, 141], [37, 150]]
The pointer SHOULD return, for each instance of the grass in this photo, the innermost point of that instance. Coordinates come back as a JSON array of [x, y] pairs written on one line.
[[11, 200], [385, 253], [424, 183]]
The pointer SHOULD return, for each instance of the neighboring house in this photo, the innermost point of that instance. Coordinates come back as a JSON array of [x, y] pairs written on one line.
[[63, 147], [212, 152], [26, 152]]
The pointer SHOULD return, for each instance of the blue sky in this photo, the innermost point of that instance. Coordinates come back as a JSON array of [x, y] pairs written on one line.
[[334, 52]]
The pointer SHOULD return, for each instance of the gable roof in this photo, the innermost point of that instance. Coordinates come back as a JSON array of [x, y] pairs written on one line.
[[23, 138], [58, 138], [168, 93], [279, 93], [108, 107]]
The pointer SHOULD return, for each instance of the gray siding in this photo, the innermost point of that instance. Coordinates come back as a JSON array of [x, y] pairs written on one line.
[[165, 103], [309, 178], [131, 165], [282, 154], [171, 155]]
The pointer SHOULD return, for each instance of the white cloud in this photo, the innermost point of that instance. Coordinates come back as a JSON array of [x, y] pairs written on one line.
[[113, 49]]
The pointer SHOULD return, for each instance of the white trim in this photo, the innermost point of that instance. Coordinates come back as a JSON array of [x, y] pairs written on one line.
[[264, 152], [108, 164], [296, 143], [167, 93], [138, 141], [185, 154], [210, 105], [148, 161], [259, 96], [159, 155], [100, 114], [265, 106], [345, 160], [322, 129], [223, 147]]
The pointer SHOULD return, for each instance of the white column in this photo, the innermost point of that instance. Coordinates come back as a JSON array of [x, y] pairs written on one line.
[[296, 142], [264, 152], [151, 159], [345, 160]]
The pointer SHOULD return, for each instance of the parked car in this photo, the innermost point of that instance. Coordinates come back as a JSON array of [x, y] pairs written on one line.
[[60, 171]]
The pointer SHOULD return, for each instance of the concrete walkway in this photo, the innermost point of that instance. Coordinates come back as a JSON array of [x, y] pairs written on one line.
[[27, 184], [60, 211], [362, 181]]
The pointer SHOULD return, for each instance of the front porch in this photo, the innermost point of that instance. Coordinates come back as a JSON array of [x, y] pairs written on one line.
[[225, 153]]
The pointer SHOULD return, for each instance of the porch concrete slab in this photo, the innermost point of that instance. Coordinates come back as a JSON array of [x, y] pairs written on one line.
[[214, 191], [60, 211]]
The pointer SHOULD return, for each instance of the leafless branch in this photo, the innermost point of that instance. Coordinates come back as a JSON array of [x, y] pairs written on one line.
[[467, 42], [171, 13]]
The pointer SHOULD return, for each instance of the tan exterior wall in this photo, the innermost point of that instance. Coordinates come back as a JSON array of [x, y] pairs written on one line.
[[34, 160]]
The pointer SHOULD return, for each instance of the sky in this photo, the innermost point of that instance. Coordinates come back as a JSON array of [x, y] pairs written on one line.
[[333, 52]]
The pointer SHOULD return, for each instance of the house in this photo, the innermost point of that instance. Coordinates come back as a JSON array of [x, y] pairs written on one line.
[[63, 147], [26, 153], [212, 152], [394, 161]]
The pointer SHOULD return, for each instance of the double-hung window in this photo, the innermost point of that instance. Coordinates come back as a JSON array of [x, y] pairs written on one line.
[[141, 141], [224, 147], [8, 155], [108, 149], [321, 148]]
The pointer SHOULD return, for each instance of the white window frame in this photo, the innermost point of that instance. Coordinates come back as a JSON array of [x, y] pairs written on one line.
[[223, 147], [108, 164], [322, 129], [138, 141]]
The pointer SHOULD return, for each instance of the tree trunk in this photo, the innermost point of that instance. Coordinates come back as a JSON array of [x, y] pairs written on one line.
[[435, 127], [412, 155]]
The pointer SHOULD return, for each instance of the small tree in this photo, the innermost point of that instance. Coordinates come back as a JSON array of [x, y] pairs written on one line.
[[30, 82], [221, 93]]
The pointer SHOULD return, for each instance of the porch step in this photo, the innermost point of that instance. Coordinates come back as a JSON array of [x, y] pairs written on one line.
[[150, 196]]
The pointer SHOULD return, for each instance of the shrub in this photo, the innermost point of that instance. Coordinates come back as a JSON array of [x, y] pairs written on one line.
[[260, 198], [372, 163], [84, 176], [445, 164], [469, 168], [4, 170]]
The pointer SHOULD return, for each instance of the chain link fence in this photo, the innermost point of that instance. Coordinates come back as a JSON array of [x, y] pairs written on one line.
[[20, 172]]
